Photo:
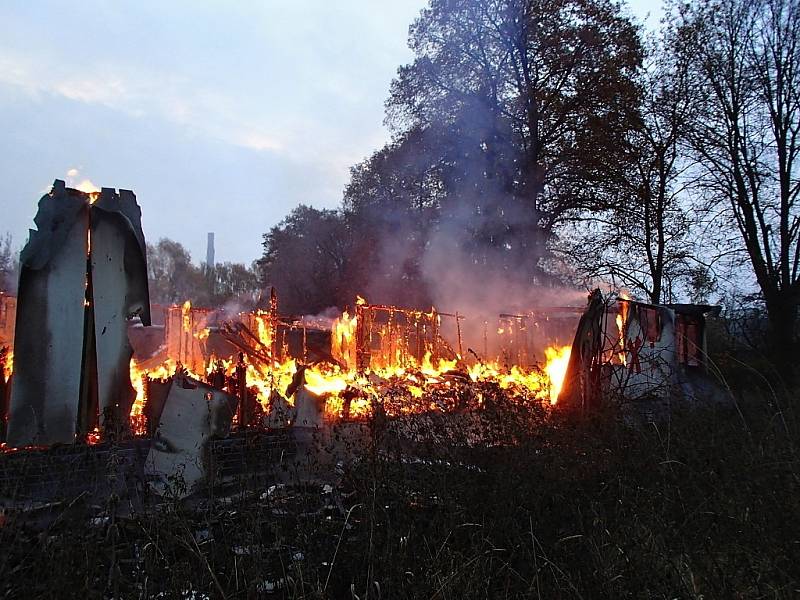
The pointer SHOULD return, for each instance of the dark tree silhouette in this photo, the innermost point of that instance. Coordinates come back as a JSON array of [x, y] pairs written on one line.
[[746, 137]]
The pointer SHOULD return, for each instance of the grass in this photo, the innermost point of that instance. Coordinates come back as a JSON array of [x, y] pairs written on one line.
[[705, 505]]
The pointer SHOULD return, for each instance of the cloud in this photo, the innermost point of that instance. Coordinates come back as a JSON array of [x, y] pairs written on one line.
[[273, 101], [96, 90], [142, 94]]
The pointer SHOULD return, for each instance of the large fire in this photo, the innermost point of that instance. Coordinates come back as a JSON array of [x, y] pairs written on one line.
[[349, 391], [353, 385]]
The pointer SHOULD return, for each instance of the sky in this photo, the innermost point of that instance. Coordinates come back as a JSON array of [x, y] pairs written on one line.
[[220, 116]]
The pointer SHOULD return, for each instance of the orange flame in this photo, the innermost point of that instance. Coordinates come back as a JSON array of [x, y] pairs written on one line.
[[621, 320], [556, 369], [349, 390], [7, 363]]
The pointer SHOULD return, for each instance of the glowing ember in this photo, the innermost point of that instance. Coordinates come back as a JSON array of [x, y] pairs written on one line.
[[93, 437]]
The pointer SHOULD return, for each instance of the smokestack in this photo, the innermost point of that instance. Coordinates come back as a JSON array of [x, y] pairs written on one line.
[[210, 251]]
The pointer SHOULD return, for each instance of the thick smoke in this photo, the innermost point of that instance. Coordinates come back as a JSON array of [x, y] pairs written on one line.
[[480, 254], [484, 279]]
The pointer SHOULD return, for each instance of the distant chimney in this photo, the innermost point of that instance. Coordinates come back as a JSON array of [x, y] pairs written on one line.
[[210, 263]]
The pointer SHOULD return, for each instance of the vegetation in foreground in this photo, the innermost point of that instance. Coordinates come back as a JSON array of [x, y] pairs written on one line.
[[703, 505]]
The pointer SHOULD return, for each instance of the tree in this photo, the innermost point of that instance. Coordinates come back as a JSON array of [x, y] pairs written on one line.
[[746, 137], [234, 281], [530, 102], [390, 204], [305, 259], [8, 266], [173, 277], [642, 240]]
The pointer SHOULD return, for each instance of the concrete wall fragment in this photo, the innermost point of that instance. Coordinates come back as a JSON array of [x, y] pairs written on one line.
[[83, 274], [120, 291], [309, 409], [193, 414], [49, 336]]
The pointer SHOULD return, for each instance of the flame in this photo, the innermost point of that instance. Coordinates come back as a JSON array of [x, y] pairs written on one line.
[[621, 319], [7, 362], [331, 381], [186, 315], [343, 340], [556, 369], [138, 375], [394, 378], [264, 329], [88, 187], [325, 384]]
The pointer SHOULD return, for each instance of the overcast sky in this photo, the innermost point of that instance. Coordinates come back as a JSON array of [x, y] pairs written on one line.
[[221, 116]]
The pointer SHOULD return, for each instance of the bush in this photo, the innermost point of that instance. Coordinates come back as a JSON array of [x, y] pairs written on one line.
[[703, 505]]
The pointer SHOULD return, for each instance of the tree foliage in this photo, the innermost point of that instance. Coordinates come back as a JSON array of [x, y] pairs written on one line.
[[492, 120], [528, 103], [642, 241], [8, 266], [174, 279], [304, 259]]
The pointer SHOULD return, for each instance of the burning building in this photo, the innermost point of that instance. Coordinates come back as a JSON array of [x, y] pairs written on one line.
[[638, 352], [93, 361]]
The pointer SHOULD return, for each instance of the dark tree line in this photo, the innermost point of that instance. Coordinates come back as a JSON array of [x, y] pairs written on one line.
[[557, 141], [8, 266], [174, 279]]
